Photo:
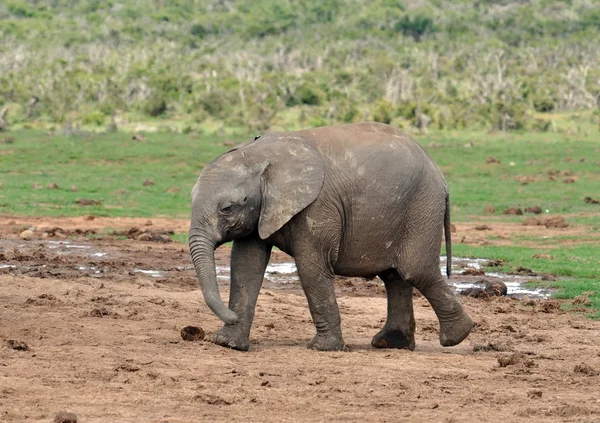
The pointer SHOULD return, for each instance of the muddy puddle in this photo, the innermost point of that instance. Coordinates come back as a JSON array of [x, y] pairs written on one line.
[[74, 258]]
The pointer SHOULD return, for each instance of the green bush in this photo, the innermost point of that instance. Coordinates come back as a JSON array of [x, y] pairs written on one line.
[[155, 105], [308, 93], [415, 27], [383, 111], [94, 118]]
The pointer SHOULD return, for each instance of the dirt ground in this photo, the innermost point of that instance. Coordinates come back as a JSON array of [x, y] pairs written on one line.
[[84, 330]]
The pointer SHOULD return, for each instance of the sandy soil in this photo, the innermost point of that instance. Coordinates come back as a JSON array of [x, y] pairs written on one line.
[[83, 330]]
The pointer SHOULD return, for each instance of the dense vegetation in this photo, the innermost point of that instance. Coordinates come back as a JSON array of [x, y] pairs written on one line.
[[259, 63]]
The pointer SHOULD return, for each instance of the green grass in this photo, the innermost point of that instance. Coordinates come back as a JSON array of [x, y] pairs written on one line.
[[577, 267], [108, 168], [112, 168], [474, 184]]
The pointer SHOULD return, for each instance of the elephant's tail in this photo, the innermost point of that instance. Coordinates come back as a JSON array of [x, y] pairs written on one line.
[[447, 231]]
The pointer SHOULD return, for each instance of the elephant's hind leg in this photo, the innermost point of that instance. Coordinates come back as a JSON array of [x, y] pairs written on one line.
[[455, 323], [399, 329]]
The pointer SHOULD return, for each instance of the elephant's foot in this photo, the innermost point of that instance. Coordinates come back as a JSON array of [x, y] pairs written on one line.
[[232, 337], [454, 332], [327, 342], [394, 338]]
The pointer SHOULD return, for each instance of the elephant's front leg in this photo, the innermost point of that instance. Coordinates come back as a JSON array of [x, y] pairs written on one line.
[[249, 259], [399, 329], [317, 283]]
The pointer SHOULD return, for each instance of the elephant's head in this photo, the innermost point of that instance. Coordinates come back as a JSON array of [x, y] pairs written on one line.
[[254, 189]]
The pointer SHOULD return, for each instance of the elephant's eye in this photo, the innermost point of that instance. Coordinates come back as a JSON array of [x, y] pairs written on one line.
[[226, 209]]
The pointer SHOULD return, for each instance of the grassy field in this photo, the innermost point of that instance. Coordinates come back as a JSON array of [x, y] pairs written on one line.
[[555, 171]]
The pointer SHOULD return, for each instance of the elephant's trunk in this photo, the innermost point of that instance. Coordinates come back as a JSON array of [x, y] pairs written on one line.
[[202, 251]]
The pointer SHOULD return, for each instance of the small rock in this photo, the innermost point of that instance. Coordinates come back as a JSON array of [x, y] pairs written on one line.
[[148, 223], [17, 345], [148, 182], [73, 188], [145, 237], [192, 333], [65, 417], [53, 185], [26, 235]]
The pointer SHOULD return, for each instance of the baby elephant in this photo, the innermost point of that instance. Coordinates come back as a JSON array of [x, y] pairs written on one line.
[[352, 200]]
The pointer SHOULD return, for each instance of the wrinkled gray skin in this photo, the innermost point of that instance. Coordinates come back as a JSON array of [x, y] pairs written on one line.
[[352, 200]]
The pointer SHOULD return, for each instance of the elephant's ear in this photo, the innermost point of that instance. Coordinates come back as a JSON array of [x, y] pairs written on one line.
[[291, 182]]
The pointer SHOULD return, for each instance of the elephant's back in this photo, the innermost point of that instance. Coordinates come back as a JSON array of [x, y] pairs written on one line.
[[372, 151]]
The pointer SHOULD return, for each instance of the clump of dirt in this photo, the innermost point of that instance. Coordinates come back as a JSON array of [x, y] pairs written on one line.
[[585, 369], [494, 263], [534, 210], [583, 299], [534, 394], [543, 256], [148, 182], [42, 300], [490, 209], [513, 210], [520, 270], [550, 306], [482, 228], [153, 235], [547, 221], [524, 179], [102, 312], [514, 359], [492, 160], [590, 200], [492, 346], [17, 345], [65, 417], [87, 202], [555, 222], [192, 333], [471, 271], [489, 289]]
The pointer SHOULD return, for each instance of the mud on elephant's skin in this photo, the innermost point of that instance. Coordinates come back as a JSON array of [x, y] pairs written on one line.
[[351, 200]]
